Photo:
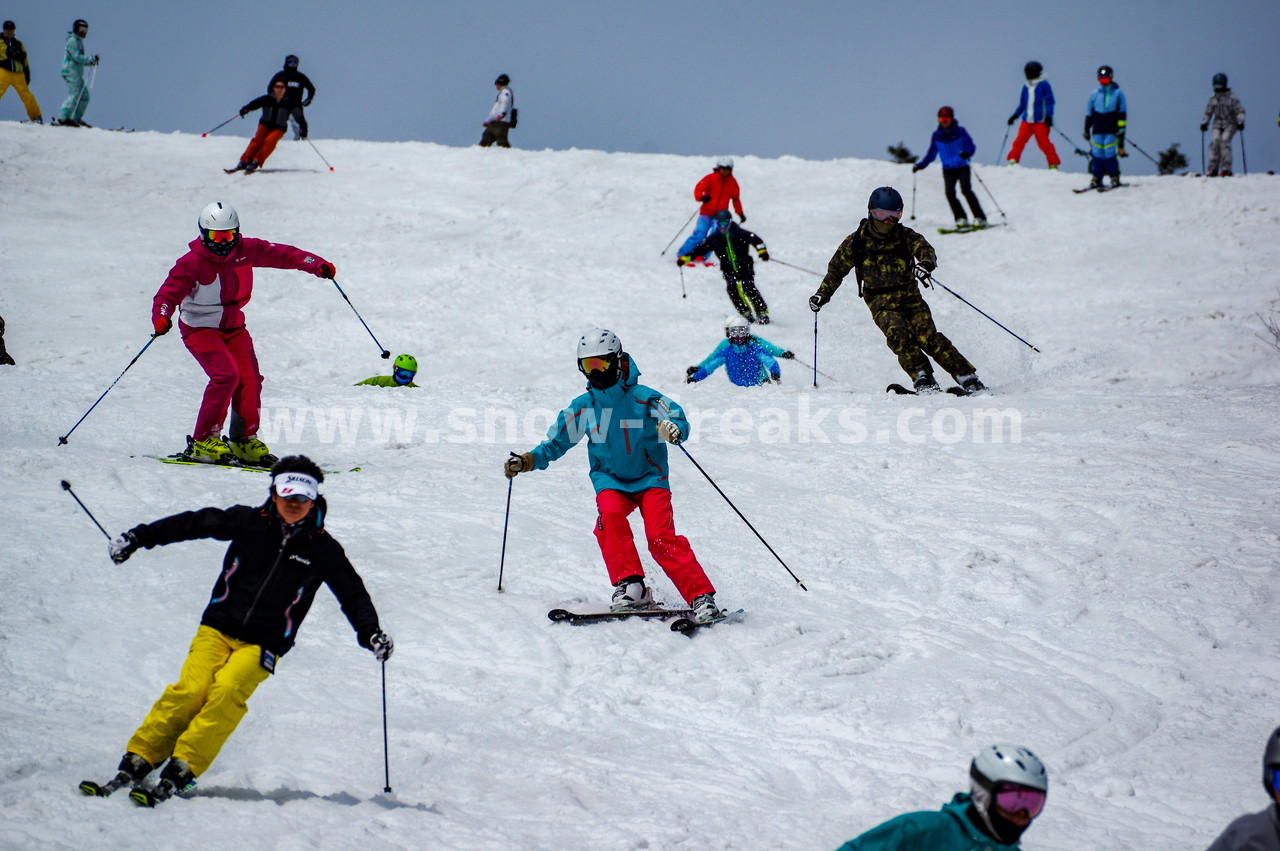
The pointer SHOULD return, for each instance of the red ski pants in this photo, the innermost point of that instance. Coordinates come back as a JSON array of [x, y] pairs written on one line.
[[264, 142], [1040, 130], [671, 551], [227, 357]]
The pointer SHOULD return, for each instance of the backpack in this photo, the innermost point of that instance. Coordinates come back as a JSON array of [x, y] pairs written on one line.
[[515, 114]]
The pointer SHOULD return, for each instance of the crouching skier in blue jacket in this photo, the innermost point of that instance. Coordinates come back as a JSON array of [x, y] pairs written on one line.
[[1007, 784], [628, 427], [280, 555], [748, 360]]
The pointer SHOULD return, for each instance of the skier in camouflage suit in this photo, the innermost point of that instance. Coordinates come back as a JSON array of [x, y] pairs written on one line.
[[1227, 115], [890, 260]]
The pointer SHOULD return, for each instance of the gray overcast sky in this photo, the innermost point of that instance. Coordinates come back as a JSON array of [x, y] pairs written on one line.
[[812, 79]]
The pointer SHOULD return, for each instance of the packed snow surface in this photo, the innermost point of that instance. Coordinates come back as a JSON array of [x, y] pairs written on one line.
[[1083, 562]]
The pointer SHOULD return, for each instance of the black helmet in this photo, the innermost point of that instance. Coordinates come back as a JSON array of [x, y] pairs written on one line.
[[885, 198], [80, 22], [291, 61], [1032, 70], [502, 80], [1270, 758], [1105, 71], [1219, 82], [723, 216]]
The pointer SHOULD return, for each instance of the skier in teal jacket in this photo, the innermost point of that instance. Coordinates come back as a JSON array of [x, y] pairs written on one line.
[[1008, 785], [73, 65], [628, 427]]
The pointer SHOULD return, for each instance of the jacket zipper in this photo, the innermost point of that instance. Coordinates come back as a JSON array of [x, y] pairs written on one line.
[[263, 586]]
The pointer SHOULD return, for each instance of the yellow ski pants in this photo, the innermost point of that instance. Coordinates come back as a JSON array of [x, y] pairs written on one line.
[[195, 716], [19, 83]]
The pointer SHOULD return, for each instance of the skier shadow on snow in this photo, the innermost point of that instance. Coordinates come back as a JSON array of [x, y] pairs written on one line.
[[283, 796]]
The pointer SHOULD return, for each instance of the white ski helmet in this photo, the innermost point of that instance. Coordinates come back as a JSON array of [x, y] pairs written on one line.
[[598, 343], [1008, 764], [725, 162], [737, 326], [219, 217]]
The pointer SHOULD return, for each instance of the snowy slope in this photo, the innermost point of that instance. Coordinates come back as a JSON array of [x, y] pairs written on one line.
[[1098, 584]]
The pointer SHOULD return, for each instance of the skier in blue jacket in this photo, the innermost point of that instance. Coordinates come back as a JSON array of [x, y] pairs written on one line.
[[1035, 108], [1008, 788], [953, 146], [1104, 126], [628, 426], [748, 360]]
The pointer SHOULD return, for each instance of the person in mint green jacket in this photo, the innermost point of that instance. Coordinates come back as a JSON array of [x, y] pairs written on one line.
[[1008, 786], [628, 427], [73, 65]]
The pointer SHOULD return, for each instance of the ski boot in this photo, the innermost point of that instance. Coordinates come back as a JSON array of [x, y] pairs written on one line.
[[251, 167], [631, 593], [971, 384], [1115, 181], [705, 609], [962, 223], [251, 452], [1095, 183], [176, 776], [979, 222], [925, 384], [211, 450], [132, 771]]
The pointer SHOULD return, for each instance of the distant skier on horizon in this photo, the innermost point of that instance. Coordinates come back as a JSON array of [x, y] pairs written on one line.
[[1035, 108], [1104, 128], [1227, 115], [15, 71], [502, 115], [298, 92], [953, 144], [74, 61], [276, 111]]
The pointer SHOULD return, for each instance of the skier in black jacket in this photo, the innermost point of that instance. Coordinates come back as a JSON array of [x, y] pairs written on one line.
[[732, 245], [298, 93], [271, 126], [279, 556]]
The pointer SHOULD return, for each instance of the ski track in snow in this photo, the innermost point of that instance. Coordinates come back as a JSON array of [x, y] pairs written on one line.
[[1101, 590]]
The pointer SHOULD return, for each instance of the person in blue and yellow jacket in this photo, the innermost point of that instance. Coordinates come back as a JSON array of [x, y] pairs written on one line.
[[1104, 126], [748, 360], [953, 145], [732, 245], [1008, 787], [628, 427], [73, 65], [15, 71], [406, 367]]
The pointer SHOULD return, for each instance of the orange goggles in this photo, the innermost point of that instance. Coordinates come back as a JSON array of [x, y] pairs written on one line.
[[596, 364], [218, 236]]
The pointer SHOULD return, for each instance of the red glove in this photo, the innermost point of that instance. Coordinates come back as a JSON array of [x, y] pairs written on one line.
[[162, 325], [328, 270]]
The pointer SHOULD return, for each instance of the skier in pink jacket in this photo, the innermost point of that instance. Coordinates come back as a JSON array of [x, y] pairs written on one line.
[[207, 289]]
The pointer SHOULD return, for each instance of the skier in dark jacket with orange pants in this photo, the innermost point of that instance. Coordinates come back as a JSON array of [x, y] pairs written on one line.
[[276, 109], [890, 260], [280, 555]]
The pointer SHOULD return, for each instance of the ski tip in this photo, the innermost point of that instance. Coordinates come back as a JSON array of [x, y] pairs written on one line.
[[91, 789], [559, 614], [142, 798]]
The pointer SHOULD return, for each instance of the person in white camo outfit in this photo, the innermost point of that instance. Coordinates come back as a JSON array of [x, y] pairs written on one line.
[[501, 115], [1227, 115]]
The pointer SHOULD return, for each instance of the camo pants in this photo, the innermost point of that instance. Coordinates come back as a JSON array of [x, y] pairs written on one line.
[[908, 328]]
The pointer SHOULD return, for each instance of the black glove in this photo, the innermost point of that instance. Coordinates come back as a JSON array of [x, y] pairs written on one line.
[[705, 198], [243, 113], [1048, 121], [742, 217], [1012, 118], [1204, 127], [690, 371], [306, 102], [815, 302], [1240, 126], [776, 379], [922, 273], [916, 168], [788, 355], [764, 254], [122, 546], [381, 645], [964, 155]]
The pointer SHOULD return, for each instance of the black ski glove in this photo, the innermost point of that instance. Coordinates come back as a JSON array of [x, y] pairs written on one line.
[[122, 546], [381, 645], [923, 271], [815, 302], [1204, 127], [788, 355], [1048, 121], [1012, 118], [705, 198]]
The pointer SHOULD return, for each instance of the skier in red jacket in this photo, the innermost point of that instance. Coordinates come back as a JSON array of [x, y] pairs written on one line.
[[716, 192], [210, 285]]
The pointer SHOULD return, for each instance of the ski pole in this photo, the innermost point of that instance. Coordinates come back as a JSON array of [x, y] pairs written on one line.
[[385, 354], [502, 560], [1073, 145], [677, 236], [793, 266], [1244, 159], [66, 486], [913, 194], [975, 307], [739, 513], [815, 348], [220, 126], [974, 170], [1138, 148], [815, 369], [683, 293], [386, 748], [318, 154], [1202, 168], [1000, 156], [62, 440]]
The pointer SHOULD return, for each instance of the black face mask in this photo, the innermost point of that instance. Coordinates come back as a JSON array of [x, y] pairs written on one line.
[[604, 380]]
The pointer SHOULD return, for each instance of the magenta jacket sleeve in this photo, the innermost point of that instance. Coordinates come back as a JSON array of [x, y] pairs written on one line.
[[182, 280], [277, 255]]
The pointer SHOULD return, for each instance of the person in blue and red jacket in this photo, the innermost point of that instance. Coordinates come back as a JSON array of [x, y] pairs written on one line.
[[278, 557], [628, 427], [1104, 128], [953, 146], [1035, 108], [208, 288], [715, 192]]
